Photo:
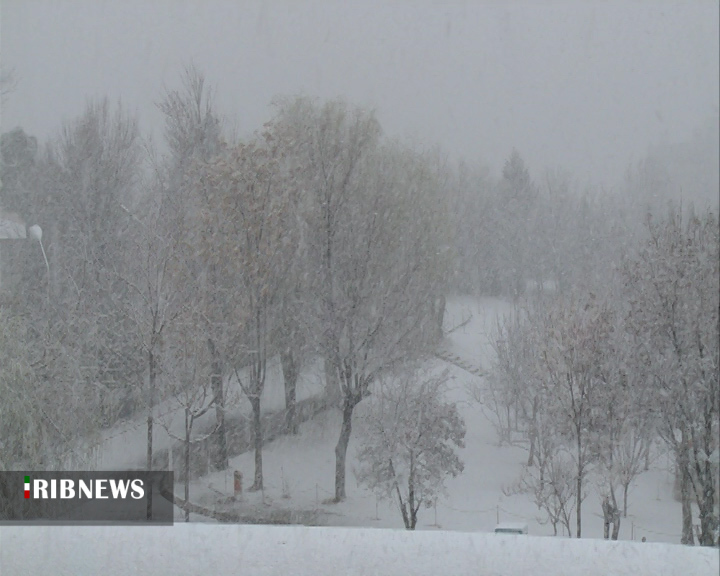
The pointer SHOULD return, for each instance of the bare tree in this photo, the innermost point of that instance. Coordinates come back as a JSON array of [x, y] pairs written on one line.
[[551, 481], [88, 173], [409, 438], [575, 333], [251, 244], [188, 375], [292, 337], [512, 393], [674, 294], [367, 213], [557, 347], [156, 275], [193, 134]]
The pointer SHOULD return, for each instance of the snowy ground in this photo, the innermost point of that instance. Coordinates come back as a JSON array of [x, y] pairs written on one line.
[[299, 471], [194, 549], [299, 476]]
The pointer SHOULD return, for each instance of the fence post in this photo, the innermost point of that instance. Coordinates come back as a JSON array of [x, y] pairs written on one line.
[[238, 484]]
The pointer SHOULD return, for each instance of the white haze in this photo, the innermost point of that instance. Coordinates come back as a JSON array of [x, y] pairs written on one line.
[[586, 86]]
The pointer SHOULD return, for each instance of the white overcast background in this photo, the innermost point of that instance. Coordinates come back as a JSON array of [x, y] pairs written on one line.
[[583, 85]]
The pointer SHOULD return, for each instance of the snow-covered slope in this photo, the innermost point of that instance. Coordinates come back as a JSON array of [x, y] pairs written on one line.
[[299, 476], [193, 549], [299, 471], [124, 446]]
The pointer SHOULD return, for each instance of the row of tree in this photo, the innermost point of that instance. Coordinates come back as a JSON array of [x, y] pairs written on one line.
[[182, 275], [594, 381]]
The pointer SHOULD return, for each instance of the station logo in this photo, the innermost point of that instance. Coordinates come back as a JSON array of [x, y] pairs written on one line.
[[66, 488], [68, 498]]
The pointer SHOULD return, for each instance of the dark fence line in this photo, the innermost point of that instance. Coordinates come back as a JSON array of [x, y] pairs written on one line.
[[239, 438], [279, 517]]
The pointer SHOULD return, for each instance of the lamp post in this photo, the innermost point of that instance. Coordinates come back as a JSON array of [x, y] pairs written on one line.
[[36, 232]]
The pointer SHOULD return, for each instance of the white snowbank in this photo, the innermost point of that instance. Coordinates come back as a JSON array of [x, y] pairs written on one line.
[[269, 550]]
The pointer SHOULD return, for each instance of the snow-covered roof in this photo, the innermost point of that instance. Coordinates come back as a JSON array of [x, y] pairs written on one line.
[[11, 226]]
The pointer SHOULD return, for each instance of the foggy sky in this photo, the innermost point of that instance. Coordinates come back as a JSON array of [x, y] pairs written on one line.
[[585, 86]]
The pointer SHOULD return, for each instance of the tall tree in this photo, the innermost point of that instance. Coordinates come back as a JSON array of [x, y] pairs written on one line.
[[92, 169], [18, 158], [250, 243], [572, 348], [156, 275], [193, 134], [674, 299], [517, 201], [188, 379], [376, 233]]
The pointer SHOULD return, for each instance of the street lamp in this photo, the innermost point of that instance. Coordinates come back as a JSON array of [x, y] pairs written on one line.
[[36, 232]]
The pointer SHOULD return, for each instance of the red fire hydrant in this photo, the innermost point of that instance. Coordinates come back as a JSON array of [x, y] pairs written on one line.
[[238, 483]]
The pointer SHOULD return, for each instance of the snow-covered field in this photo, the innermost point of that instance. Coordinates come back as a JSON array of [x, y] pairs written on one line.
[[195, 549], [454, 537]]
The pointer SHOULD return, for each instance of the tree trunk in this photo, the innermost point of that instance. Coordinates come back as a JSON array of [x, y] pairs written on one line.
[[706, 504], [290, 376], [683, 463], [606, 518], [616, 525], [578, 501], [411, 493], [533, 434], [341, 448], [615, 516], [257, 441], [439, 314], [403, 509], [187, 463], [531, 456], [509, 424], [216, 382], [151, 398], [705, 486], [625, 495], [332, 390]]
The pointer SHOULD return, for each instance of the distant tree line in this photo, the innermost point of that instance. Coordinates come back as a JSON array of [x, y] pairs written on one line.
[[179, 275]]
